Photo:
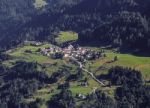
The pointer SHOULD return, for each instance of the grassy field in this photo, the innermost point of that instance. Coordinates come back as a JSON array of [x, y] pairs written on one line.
[[44, 94], [39, 3], [66, 36], [125, 60], [84, 90], [20, 54], [99, 66]]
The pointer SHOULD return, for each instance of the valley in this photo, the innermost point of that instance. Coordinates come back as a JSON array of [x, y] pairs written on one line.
[[91, 69], [74, 54]]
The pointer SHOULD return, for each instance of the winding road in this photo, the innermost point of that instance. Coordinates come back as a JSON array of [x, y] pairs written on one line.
[[90, 73]]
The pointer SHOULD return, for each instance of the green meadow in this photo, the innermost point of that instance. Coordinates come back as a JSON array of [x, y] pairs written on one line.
[[98, 67], [126, 60], [66, 37]]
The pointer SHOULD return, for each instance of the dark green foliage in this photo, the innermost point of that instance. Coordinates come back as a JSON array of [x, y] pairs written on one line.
[[64, 71], [57, 56], [131, 93], [128, 29], [123, 76], [64, 86], [98, 100], [36, 104], [26, 71], [4, 57], [120, 23], [82, 16], [133, 96], [62, 100], [13, 14], [77, 76], [20, 82], [115, 58]]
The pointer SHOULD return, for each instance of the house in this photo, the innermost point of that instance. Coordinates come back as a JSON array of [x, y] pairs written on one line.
[[81, 54], [48, 54], [83, 51], [94, 89], [70, 47], [79, 48], [66, 55], [84, 84], [81, 96], [89, 56]]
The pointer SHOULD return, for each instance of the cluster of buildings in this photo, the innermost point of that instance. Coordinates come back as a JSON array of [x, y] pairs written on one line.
[[71, 51], [51, 50], [80, 53]]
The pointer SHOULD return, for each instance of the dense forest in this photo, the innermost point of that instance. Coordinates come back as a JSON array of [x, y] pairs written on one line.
[[121, 24], [112, 21], [23, 79]]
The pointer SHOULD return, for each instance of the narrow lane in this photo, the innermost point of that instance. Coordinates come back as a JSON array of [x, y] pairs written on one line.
[[90, 73]]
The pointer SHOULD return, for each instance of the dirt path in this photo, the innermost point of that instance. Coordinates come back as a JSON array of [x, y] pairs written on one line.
[[90, 73]]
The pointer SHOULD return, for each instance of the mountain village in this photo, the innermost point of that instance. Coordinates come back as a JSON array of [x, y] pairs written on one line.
[[80, 53]]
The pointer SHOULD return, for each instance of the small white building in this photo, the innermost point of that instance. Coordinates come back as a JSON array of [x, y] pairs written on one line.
[[82, 96], [70, 47], [66, 55]]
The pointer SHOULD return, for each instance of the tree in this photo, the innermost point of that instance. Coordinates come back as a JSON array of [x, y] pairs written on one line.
[[98, 100], [62, 100], [116, 58], [119, 75]]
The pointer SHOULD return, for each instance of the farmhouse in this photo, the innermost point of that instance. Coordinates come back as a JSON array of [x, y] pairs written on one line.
[[81, 96]]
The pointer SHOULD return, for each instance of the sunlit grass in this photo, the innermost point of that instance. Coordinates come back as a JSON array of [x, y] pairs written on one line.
[[66, 36], [125, 60], [40, 3]]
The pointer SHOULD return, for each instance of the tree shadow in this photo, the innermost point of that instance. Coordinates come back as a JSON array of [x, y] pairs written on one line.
[[93, 44], [135, 52], [108, 46]]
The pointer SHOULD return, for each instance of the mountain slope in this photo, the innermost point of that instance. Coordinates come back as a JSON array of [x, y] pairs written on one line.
[[82, 16]]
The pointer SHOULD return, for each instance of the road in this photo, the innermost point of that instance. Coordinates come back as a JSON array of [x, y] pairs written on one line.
[[90, 73]]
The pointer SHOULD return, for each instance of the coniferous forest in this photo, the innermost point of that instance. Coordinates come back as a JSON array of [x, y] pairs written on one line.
[[112, 69], [119, 22]]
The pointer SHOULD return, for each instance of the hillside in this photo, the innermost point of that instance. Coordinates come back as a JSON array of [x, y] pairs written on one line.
[[41, 76], [40, 24], [74, 54]]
